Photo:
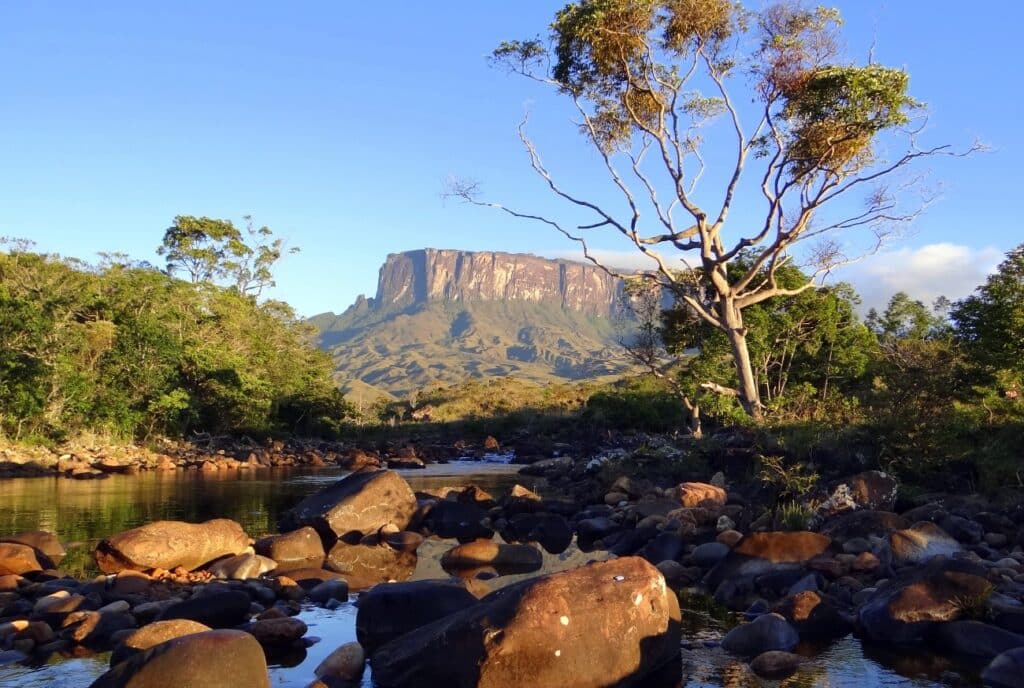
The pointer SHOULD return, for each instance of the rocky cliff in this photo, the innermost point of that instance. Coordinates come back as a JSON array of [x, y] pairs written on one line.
[[440, 316], [458, 276]]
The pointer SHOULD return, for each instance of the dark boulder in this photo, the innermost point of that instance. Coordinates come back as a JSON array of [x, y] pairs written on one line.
[[974, 639], [390, 610], [550, 531], [220, 609], [1005, 671]]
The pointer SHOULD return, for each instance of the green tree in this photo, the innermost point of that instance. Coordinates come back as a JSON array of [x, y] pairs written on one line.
[[208, 250], [651, 80], [991, 322], [907, 318]]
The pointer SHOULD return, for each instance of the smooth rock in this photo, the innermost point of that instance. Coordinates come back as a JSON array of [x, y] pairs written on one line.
[[221, 609], [775, 664], [364, 566], [519, 558], [1005, 671], [153, 634], [214, 659], [921, 542], [170, 544], [765, 633], [597, 625], [346, 663], [282, 631], [390, 610]]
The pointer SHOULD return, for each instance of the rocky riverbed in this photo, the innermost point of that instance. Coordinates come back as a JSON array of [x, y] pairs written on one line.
[[175, 598]]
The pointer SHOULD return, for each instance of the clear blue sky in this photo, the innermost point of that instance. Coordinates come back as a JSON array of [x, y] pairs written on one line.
[[335, 124]]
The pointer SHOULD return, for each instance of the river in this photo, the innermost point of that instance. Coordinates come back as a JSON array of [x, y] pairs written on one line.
[[83, 512]]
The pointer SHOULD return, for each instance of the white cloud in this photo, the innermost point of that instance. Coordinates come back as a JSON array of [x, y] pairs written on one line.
[[925, 273]]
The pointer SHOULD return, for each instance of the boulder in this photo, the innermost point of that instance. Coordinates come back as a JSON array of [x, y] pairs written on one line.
[[550, 531], [214, 659], [361, 502], [153, 634], [510, 558], [39, 540], [311, 577], [862, 523], [760, 554], [459, 520], [242, 567], [814, 615], [1005, 671], [328, 590], [17, 559], [170, 544], [347, 663], [95, 630], [974, 639], [701, 495], [920, 542], [905, 609], [602, 624], [298, 549], [388, 611], [219, 609], [775, 664], [708, 554], [364, 566], [281, 631], [765, 633]]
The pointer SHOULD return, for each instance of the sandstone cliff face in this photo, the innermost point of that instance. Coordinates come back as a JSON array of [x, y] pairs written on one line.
[[431, 275]]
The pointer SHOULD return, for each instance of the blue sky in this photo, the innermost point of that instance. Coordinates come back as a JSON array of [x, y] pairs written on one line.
[[336, 123]]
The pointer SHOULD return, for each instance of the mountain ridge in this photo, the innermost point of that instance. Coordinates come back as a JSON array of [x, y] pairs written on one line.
[[441, 315]]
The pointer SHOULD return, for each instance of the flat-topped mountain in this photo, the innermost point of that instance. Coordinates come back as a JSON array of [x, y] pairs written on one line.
[[440, 316], [428, 275]]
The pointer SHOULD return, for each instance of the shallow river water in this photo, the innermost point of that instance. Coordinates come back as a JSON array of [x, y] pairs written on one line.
[[83, 512]]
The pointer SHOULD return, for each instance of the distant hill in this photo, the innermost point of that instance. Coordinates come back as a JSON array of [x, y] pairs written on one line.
[[440, 316]]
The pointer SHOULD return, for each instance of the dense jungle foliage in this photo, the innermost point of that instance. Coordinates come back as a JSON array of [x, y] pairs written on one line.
[[129, 351]]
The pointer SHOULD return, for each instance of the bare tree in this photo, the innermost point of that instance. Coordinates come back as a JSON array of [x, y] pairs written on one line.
[[651, 79]]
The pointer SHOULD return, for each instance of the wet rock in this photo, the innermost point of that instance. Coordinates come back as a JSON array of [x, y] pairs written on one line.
[[519, 558], [41, 541], [457, 520], [814, 615], [550, 531], [862, 524], [963, 529], [775, 664], [1005, 671], [364, 566], [311, 577], [765, 633], [592, 529], [701, 495], [361, 502], [764, 552], [18, 559], [153, 634], [600, 624], [214, 659], [328, 590], [347, 663], [663, 546], [220, 609], [908, 607], [920, 542], [275, 632], [974, 639], [242, 567], [390, 610], [709, 554], [298, 549], [171, 544], [96, 630]]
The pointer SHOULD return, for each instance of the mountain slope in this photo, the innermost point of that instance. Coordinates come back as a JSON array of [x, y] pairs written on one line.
[[442, 316]]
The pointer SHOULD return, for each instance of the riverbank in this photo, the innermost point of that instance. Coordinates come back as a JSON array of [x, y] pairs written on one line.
[[937, 576]]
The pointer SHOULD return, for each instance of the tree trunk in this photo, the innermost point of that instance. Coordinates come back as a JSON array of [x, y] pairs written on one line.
[[749, 396]]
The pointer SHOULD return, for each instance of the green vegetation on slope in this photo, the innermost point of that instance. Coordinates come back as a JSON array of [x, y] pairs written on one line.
[[401, 351], [129, 351]]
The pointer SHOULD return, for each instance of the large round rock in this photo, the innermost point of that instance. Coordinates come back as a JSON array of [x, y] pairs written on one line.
[[169, 544], [17, 559], [362, 502], [215, 659], [602, 624], [390, 610], [298, 549]]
